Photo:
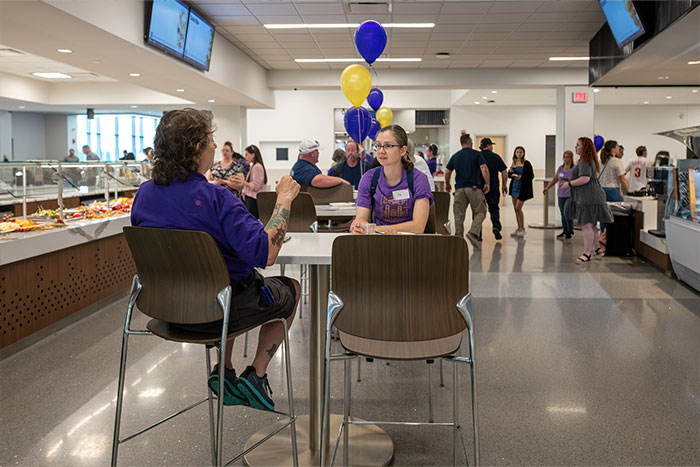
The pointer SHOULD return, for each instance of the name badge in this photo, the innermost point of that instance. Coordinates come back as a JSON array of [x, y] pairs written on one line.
[[400, 194]]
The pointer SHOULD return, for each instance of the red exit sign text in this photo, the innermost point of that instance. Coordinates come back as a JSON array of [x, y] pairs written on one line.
[[578, 97]]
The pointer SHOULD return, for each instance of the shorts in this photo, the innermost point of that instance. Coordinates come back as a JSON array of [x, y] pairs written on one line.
[[247, 311]]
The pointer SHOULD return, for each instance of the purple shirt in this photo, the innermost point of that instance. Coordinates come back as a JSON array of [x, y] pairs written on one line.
[[432, 165], [387, 209], [561, 174], [196, 204]]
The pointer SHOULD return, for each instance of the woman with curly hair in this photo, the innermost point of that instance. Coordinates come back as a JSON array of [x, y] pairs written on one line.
[[588, 204]]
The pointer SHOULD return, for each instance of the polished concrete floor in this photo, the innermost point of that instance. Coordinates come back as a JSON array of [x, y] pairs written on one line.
[[595, 364]]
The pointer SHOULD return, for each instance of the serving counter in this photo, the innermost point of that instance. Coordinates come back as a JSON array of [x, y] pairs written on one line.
[[646, 245], [47, 276]]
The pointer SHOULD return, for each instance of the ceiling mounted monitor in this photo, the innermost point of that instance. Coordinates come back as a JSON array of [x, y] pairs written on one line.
[[199, 41], [622, 19], [167, 26]]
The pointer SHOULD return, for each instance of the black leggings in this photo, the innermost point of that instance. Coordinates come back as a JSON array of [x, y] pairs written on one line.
[[252, 205]]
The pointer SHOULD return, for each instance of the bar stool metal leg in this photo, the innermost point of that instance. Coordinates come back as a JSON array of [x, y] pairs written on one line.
[[346, 410], [430, 393], [120, 396], [212, 429], [245, 346], [442, 379], [290, 395], [455, 408]]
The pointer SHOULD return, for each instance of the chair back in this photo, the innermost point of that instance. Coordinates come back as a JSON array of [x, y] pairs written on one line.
[[441, 200], [400, 287], [181, 272], [302, 215], [430, 225], [337, 194]]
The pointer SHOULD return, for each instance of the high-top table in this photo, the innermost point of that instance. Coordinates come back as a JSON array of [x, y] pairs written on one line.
[[370, 445], [545, 210], [328, 212]]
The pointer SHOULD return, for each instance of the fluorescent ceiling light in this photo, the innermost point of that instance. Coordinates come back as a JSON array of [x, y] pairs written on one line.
[[669, 97], [353, 60], [134, 106], [567, 59], [696, 62], [135, 75], [494, 92], [211, 100], [345, 25], [64, 51], [52, 75], [646, 102], [477, 102], [694, 91], [180, 90]]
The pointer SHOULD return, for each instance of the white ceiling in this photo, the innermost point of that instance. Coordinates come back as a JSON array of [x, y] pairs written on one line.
[[25, 64], [476, 34]]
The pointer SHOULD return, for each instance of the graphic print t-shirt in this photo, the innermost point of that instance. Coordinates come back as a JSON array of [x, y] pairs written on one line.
[[388, 209]]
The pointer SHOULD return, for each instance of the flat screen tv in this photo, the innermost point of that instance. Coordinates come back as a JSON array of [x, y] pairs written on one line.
[[623, 20], [199, 41], [167, 26]]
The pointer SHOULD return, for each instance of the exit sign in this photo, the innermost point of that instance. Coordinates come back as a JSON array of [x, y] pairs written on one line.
[[578, 97]]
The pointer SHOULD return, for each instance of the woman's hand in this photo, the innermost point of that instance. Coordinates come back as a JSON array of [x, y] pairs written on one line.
[[356, 226], [516, 176], [236, 182]]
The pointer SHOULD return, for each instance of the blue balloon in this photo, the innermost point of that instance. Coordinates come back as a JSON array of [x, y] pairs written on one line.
[[375, 99], [370, 40], [598, 141], [357, 123], [376, 126]]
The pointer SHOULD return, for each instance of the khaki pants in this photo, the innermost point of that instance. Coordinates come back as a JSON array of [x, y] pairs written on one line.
[[463, 198]]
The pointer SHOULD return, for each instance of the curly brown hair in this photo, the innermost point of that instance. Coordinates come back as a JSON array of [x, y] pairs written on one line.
[[175, 145], [588, 152]]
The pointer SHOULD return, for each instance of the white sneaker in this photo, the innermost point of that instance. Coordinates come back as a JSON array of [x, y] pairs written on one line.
[[515, 234], [521, 233]]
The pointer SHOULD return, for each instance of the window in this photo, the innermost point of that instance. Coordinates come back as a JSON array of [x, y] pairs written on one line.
[[282, 154], [109, 135]]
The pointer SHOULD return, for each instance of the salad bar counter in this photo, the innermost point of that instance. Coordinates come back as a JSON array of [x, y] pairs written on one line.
[[51, 268]]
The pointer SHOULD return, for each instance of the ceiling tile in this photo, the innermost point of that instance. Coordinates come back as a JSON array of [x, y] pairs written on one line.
[[222, 9], [262, 45], [505, 18], [514, 7], [241, 29], [236, 20], [570, 6], [287, 19], [362, 18], [251, 37], [331, 37], [441, 28], [489, 36], [320, 8], [459, 19], [591, 27], [526, 63], [334, 19], [465, 8], [418, 8], [272, 9], [426, 18], [449, 36], [496, 27]]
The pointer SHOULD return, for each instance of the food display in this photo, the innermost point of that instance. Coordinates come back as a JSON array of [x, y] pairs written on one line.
[[100, 209], [26, 225]]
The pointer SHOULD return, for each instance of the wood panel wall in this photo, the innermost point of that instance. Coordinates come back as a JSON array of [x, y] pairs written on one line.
[[40, 291]]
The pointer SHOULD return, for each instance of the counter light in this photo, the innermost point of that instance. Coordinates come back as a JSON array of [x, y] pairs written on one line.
[[353, 60]]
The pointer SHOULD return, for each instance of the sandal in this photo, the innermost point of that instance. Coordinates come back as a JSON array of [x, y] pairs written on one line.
[[584, 258], [598, 252]]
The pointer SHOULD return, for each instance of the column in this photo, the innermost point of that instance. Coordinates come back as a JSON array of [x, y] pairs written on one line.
[[228, 125], [573, 119]]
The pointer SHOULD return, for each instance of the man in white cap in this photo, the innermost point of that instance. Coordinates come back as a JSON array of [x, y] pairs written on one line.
[[305, 172]]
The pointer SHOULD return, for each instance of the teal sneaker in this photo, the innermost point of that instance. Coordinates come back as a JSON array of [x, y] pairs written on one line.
[[232, 395], [256, 390]]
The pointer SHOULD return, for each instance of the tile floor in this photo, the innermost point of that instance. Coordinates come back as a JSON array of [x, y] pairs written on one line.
[[594, 364]]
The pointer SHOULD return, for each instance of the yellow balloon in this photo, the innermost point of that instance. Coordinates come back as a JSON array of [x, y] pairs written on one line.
[[356, 83], [384, 116]]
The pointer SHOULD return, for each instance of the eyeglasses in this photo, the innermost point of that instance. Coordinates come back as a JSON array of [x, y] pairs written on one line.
[[379, 147]]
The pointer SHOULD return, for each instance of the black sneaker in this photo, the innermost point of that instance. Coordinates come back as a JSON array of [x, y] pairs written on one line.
[[256, 390], [232, 396], [561, 236], [474, 240], [497, 234], [568, 237]]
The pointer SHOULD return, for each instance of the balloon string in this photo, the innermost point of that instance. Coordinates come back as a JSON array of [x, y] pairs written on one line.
[[373, 70]]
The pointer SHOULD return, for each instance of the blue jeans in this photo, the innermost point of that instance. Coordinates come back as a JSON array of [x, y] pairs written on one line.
[[611, 195], [566, 222]]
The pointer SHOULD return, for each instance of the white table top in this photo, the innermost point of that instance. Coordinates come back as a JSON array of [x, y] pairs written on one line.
[[308, 248], [328, 210]]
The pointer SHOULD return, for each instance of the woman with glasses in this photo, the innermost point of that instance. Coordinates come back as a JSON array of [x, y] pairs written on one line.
[[394, 196]]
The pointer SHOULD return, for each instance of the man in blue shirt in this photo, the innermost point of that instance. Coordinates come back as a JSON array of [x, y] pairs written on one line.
[[496, 165], [352, 168], [471, 183], [179, 197], [305, 172]]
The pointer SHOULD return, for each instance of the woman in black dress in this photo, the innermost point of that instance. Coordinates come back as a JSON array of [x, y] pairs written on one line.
[[521, 175]]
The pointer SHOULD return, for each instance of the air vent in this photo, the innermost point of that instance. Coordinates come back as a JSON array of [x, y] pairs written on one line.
[[85, 74], [5, 52], [431, 117], [369, 8]]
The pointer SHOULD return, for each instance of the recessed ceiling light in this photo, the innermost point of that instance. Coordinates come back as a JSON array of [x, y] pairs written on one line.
[[211, 100], [52, 75], [663, 77], [96, 61], [669, 97], [694, 91], [485, 98], [477, 102], [134, 106], [646, 102], [64, 51], [135, 75], [696, 62], [442, 55], [21, 107], [179, 90], [596, 90], [494, 92], [567, 59], [353, 60], [345, 25]]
